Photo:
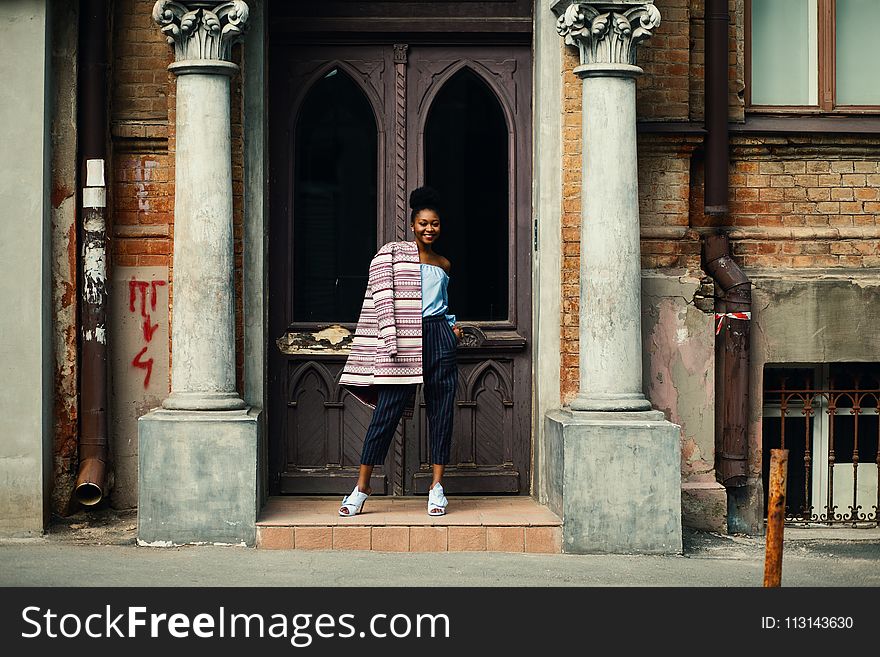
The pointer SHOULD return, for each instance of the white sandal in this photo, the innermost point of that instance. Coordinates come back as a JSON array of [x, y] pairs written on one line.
[[437, 501], [353, 503]]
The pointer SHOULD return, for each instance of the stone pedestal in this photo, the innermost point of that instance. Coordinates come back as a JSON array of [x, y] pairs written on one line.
[[198, 456], [615, 481], [614, 463], [197, 477]]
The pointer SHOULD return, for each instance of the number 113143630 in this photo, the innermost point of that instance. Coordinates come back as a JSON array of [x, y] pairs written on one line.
[[807, 623]]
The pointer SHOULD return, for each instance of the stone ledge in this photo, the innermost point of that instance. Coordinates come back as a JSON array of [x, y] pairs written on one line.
[[401, 524], [413, 538], [704, 506]]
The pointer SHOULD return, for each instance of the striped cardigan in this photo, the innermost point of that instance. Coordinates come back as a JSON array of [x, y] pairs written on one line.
[[387, 345]]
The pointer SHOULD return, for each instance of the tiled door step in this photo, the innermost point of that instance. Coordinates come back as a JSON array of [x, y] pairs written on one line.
[[396, 524]]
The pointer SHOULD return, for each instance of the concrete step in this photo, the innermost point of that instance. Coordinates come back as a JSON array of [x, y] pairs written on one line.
[[402, 524]]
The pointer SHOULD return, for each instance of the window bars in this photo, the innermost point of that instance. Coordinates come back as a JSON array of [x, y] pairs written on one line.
[[832, 433]]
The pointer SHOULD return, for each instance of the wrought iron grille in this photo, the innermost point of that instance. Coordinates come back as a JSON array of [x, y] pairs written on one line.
[[831, 433]]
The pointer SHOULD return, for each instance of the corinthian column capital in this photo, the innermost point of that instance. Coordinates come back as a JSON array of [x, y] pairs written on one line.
[[606, 31], [201, 31]]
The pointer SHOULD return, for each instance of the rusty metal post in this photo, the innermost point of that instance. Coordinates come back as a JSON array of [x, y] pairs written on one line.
[[775, 517]]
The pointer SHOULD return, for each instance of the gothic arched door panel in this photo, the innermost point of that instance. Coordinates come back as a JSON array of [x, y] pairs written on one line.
[[353, 129], [468, 136]]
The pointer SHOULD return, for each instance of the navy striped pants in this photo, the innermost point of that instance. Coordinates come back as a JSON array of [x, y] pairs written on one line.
[[440, 372]]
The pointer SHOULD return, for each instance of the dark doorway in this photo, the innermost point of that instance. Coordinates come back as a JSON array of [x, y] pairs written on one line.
[[356, 122], [466, 160], [334, 199]]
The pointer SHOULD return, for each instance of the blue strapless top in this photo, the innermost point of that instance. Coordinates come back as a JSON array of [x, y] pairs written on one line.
[[435, 280]]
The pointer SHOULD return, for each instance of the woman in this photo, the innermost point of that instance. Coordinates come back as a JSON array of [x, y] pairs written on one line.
[[404, 337]]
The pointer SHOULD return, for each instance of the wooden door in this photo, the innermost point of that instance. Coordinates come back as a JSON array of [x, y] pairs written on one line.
[[353, 128]]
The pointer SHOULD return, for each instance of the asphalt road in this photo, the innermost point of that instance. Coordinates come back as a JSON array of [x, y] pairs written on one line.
[[709, 560]]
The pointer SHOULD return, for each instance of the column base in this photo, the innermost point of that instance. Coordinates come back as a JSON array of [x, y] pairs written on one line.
[[615, 480], [197, 477], [204, 401], [611, 403]]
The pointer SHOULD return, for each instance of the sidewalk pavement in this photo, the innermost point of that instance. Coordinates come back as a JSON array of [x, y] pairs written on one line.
[[101, 550]]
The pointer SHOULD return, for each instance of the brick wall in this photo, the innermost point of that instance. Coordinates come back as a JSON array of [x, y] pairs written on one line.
[[736, 50], [807, 211], [672, 88], [662, 92], [571, 222], [142, 128], [143, 119], [64, 255], [664, 196]]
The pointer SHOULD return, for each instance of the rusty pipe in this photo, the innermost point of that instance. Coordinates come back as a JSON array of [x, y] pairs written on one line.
[[732, 341], [715, 195], [91, 480]]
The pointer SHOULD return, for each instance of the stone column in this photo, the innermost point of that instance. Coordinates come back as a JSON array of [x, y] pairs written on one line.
[[203, 320], [617, 460], [606, 35], [198, 454]]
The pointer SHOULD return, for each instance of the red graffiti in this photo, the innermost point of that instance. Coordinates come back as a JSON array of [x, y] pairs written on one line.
[[149, 329], [135, 286], [145, 364], [140, 289]]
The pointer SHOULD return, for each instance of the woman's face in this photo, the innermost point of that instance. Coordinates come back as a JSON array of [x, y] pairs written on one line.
[[426, 227]]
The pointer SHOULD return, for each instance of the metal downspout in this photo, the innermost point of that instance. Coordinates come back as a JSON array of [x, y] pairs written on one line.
[[716, 18], [91, 481], [732, 340]]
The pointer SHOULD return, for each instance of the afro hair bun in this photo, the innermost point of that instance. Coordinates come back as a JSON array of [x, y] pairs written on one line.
[[424, 197]]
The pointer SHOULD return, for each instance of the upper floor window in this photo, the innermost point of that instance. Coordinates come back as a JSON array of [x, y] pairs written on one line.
[[813, 55]]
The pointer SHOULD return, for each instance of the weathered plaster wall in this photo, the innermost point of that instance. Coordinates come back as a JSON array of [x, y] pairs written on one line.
[[64, 252], [138, 337], [25, 269], [679, 379], [816, 317]]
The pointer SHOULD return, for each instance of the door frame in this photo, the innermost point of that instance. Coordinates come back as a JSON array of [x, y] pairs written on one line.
[[546, 250]]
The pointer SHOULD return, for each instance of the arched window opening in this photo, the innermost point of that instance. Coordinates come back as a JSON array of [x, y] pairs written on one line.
[[467, 161], [334, 200]]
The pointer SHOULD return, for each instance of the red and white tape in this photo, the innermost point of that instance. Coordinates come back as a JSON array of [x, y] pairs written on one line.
[[719, 319]]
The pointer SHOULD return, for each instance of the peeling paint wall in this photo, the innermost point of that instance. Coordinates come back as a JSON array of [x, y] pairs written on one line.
[[679, 379], [64, 250]]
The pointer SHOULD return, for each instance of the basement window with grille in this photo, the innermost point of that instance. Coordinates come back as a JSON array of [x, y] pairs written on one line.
[[826, 415]]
